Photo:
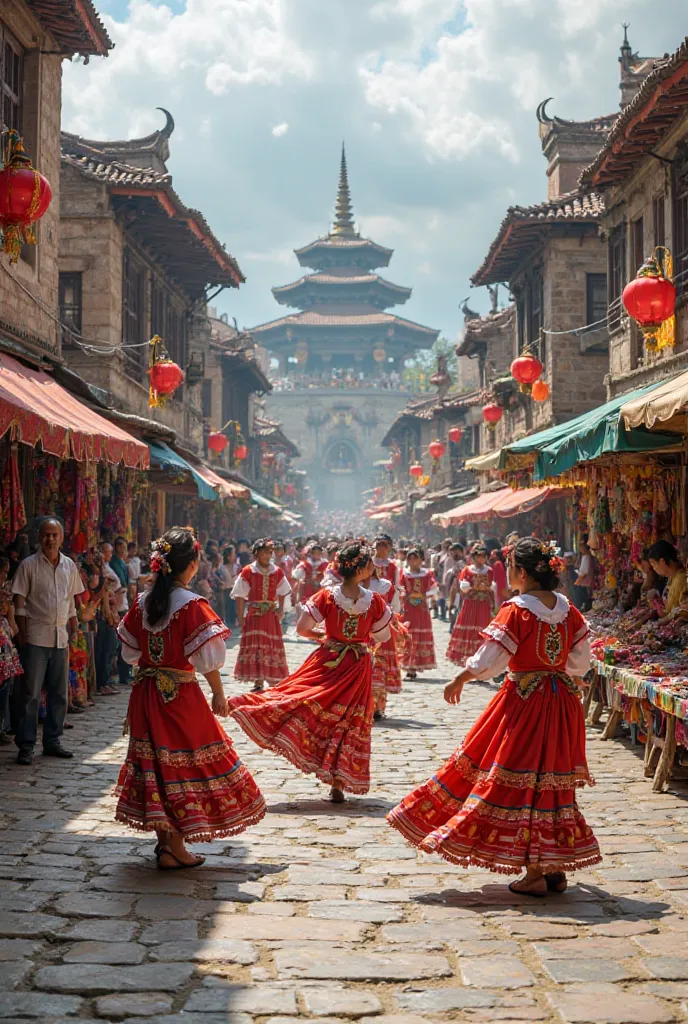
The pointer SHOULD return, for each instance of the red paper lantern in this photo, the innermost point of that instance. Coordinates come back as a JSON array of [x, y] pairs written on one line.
[[165, 377], [217, 441], [436, 449], [650, 299], [416, 470], [24, 198], [456, 435], [526, 370], [541, 391], [492, 414], [240, 452]]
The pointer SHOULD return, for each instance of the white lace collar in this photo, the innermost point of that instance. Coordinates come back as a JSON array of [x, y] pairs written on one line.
[[263, 572], [179, 599], [416, 575], [358, 607], [380, 586], [540, 610], [478, 568]]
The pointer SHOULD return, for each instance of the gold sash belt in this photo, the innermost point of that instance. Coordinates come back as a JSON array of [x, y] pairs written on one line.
[[341, 649], [167, 680]]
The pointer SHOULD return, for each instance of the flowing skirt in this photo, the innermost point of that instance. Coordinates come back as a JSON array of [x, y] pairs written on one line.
[[420, 653], [261, 652], [319, 718], [477, 611], [182, 773], [507, 797]]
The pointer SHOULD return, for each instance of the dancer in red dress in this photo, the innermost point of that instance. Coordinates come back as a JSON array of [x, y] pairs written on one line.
[[506, 799], [418, 586], [477, 608], [182, 778], [320, 718], [386, 568], [309, 573], [259, 593]]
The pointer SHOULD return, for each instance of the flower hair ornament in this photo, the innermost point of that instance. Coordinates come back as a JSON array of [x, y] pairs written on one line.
[[158, 563], [356, 561], [550, 560]]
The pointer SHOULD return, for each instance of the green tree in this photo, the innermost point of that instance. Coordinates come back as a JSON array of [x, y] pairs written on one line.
[[418, 370]]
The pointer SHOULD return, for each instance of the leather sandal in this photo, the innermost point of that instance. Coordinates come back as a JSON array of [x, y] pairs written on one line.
[[178, 865], [557, 881]]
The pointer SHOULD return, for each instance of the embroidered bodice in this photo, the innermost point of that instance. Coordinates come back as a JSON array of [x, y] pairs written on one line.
[[347, 621], [178, 641], [417, 587], [261, 586], [537, 638]]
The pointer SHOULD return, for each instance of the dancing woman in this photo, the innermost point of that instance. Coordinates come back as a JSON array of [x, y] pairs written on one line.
[[506, 799], [259, 593], [182, 778], [320, 718], [477, 607], [418, 587]]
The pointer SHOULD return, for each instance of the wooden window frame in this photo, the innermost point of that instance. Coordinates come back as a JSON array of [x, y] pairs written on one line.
[[679, 212], [659, 219], [594, 282], [71, 313], [133, 313], [11, 92], [616, 274]]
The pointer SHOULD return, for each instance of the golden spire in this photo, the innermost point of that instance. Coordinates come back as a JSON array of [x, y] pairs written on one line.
[[343, 219]]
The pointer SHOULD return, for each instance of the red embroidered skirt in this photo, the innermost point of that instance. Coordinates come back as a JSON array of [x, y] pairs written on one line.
[[182, 773], [261, 652], [386, 671], [475, 614], [420, 653], [319, 718], [507, 797]]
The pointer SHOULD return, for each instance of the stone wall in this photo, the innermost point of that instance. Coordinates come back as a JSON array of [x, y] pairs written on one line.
[[20, 315], [92, 242], [319, 418], [630, 364]]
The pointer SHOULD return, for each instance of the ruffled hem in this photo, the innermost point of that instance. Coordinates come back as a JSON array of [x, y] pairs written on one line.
[[496, 865], [205, 835], [296, 758]]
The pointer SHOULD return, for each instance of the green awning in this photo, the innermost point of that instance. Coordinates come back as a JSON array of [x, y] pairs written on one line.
[[165, 457], [262, 502], [598, 432]]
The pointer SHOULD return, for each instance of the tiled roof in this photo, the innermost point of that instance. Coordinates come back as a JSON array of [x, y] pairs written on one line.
[[520, 231], [323, 278], [313, 319], [660, 100], [338, 242], [483, 325], [74, 24], [429, 407], [205, 253]]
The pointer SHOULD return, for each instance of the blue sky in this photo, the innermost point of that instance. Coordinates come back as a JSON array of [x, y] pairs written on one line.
[[436, 100]]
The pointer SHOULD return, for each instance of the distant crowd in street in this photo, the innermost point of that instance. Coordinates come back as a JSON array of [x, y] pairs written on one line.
[[340, 379]]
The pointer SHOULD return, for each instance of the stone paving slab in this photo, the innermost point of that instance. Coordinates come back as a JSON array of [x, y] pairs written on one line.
[[322, 913]]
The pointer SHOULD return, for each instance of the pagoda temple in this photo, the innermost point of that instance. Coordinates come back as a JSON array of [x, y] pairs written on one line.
[[341, 356]]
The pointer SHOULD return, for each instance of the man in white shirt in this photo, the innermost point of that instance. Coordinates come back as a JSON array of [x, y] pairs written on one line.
[[44, 588]]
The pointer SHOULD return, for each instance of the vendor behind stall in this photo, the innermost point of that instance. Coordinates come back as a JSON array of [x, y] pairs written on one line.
[[663, 558]]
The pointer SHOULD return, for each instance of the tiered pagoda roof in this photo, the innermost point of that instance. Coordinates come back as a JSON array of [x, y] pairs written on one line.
[[344, 293]]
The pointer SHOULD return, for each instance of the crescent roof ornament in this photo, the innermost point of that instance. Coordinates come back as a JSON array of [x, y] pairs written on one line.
[[542, 115], [169, 123]]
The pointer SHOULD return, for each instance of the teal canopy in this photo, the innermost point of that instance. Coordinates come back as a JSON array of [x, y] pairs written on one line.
[[164, 456], [262, 502], [598, 432]]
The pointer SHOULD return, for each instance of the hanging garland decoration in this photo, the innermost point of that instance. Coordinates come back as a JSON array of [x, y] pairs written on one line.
[[650, 299], [24, 196], [164, 374]]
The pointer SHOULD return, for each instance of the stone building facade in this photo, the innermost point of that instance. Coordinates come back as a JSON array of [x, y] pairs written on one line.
[[135, 262], [642, 172], [34, 40]]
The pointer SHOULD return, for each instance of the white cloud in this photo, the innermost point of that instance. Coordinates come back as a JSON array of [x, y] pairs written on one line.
[[435, 99]]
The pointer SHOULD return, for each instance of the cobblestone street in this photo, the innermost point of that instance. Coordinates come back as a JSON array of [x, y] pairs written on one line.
[[323, 912]]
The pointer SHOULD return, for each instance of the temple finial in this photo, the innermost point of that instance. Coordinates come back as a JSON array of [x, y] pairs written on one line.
[[343, 213]]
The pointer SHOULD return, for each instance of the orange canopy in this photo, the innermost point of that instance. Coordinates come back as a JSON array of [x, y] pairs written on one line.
[[504, 503], [36, 408]]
